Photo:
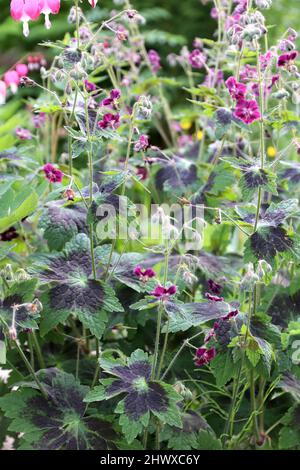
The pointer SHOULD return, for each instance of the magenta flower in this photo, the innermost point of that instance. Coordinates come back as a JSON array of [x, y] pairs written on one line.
[[214, 287], [204, 356], [237, 90], [109, 120], [2, 92], [142, 172], [47, 7], [25, 10], [39, 120], [23, 134], [22, 70], [197, 59], [247, 111], [144, 274], [54, 175], [142, 143], [214, 298], [12, 80], [93, 3], [89, 86], [154, 60], [265, 59], [286, 60], [229, 315], [112, 100], [248, 73], [163, 293]]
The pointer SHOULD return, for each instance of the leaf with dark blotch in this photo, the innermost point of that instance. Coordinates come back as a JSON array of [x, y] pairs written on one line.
[[142, 394], [73, 291], [61, 222], [58, 423], [256, 178], [266, 243], [19, 293], [290, 384], [176, 174]]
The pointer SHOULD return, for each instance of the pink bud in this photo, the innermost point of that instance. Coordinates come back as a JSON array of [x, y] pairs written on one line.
[[12, 80], [22, 70], [2, 92]]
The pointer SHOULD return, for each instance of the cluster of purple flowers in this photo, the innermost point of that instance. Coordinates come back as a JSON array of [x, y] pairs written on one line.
[[245, 110]]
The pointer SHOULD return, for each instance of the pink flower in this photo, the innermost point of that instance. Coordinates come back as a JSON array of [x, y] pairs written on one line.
[[25, 10], [286, 60], [197, 59], [231, 314], [39, 120], [144, 274], [52, 174], [89, 86], [12, 80], [204, 356], [142, 143], [162, 292], [22, 70], [237, 90], [154, 60], [23, 134], [112, 100], [247, 111], [2, 92], [109, 120], [93, 3], [214, 298], [265, 59], [248, 72], [47, 7]]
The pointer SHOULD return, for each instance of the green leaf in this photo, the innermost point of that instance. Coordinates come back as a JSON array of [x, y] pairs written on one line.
[[2, 352], [223, 368], [15, 206], [207, 441]]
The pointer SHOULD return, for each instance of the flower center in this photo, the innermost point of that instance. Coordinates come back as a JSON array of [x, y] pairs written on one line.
[[140, 384]]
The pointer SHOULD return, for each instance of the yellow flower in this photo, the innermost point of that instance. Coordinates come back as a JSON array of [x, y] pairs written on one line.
[[271, 151], [185, 124], [199, 135]]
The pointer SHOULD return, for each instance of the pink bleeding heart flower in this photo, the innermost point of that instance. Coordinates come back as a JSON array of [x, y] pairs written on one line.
[[93, 3], [204, 356], [12, 80], [247, 111], [163, 293], [47, 7], [22, 70], [54, 175], [237, 90], [144, 274], [2, 92], [25, 10]]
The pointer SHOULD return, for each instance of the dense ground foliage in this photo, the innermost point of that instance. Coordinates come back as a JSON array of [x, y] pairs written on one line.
[[149, 233]]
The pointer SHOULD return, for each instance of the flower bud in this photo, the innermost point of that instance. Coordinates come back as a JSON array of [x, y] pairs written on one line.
[[12, 333]]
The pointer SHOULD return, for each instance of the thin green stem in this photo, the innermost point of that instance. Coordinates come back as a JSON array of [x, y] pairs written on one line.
[[31, 371], [38, 351]]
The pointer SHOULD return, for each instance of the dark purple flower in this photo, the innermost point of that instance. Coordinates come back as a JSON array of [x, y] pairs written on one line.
[[214, 287], [204, 356], [231, 314], [214, 298], [286, 60], [144, 274], [237, 90], [109, 120], [162, 292], [247, 111], [154, 60], [89, 86], [197, 59], [54, 175], [112, 99], [142, 172], [142, 143]]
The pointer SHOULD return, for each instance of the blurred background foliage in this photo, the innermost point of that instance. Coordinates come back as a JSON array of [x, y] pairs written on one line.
[[170, 24]]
